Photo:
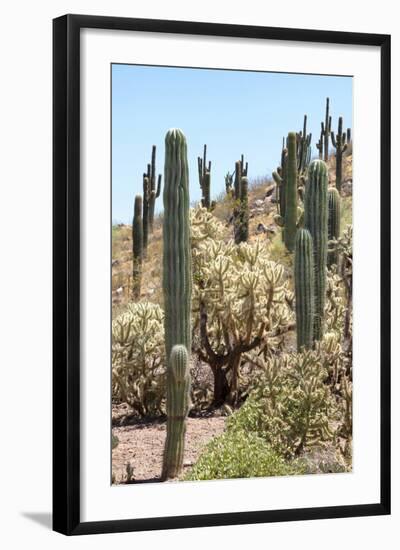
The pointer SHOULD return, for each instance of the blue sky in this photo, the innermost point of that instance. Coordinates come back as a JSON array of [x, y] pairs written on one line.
[[233, 112]]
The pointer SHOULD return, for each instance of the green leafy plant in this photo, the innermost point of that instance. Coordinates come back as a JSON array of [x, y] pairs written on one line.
[[239, 454]]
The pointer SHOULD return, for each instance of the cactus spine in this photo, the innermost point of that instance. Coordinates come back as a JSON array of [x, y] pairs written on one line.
[[137, 249], [150, 191], [339, 143], [316, 221], [333, 222], [177, 273], [291, 193], [204, 178], [304, 288], [178, 403]]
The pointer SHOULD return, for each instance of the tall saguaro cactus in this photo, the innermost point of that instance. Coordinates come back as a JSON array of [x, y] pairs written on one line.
[[150, 190], [146, 188], [291, 193], [178, 403], [137, 248], [280, 180], [303, 148], [339, 143], [316, 221], [333, 222], [177, 268], [204, 178], [304, 288], [326, 131], [242, 222]]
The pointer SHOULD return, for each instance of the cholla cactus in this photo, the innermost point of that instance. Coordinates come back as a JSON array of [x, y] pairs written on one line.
[[290, 405], [138, 369], [239, 300]]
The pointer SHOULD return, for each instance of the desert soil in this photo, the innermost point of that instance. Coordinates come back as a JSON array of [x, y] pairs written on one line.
[[142, 446]]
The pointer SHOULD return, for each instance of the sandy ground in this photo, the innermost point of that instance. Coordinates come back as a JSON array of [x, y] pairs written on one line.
[[142, 446]]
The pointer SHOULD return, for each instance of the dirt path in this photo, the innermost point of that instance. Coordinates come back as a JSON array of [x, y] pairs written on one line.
[[142, 445]]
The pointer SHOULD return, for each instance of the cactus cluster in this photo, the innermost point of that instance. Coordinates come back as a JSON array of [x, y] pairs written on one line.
[[177, 286], [244, 303]]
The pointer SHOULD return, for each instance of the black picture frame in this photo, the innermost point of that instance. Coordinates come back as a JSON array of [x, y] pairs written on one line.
[[66, 273]]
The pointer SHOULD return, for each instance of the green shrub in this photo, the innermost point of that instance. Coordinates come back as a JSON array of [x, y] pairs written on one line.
[[238, 454]]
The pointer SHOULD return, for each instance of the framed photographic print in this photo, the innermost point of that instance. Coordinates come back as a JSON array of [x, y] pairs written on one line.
[[221, 274]]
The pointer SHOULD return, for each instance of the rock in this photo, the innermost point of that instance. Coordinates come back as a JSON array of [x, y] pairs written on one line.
[[258, 203], [120, 290], [114, 263]]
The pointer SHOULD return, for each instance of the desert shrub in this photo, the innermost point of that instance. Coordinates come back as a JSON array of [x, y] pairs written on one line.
[[239, 454], [138, 371], [291, 407]]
